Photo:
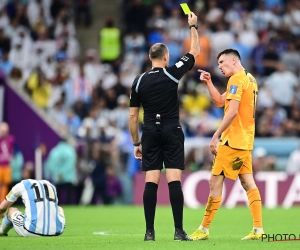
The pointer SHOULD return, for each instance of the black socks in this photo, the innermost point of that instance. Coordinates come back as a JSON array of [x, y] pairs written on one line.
[[176, 199], [150, 198]]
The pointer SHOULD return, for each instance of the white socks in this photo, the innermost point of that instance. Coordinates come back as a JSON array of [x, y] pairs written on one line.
[[257, 230], [6, 225], [203, 229]]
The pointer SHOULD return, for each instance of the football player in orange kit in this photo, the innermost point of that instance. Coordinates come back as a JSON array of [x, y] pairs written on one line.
[[233, 155]]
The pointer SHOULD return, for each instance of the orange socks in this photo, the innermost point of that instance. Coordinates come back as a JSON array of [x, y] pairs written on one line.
[[255, 207], [211, 209]]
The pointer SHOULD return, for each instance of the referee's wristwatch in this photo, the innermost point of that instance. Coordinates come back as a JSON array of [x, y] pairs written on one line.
[[137, 144], [194, 25]]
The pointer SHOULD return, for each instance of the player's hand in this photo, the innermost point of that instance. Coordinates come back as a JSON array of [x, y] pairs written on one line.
[[204, 76], [192, 18], [138, 152], [213, 145]]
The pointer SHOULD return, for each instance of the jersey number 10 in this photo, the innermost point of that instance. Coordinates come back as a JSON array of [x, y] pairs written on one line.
[[49, 193]]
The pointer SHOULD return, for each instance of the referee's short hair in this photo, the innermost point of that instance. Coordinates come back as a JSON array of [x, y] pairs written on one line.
[[158, 50], [230, 51]]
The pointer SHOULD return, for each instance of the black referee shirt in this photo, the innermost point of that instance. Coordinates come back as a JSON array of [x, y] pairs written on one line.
[[157, 90]]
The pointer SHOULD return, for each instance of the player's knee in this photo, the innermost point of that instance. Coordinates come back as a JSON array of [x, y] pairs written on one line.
[[247, 183], [11, 211], [60, 210]]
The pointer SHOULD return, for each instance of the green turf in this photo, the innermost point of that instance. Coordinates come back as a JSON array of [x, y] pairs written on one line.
[[124, 229]]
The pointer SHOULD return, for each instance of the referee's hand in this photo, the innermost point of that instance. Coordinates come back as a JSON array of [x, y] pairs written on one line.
[[138, 152], [192, 18]]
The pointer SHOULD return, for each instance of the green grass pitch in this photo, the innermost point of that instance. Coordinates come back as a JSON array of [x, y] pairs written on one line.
[[123, 227]]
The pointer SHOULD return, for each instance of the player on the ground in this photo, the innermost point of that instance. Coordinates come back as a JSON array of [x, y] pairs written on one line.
[[233, 156], [43, 216]]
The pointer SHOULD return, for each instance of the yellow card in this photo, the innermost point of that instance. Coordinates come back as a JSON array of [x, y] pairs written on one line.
[[185, 8]]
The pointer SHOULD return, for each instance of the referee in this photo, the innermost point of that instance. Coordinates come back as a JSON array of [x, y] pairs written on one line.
[[162, 140]]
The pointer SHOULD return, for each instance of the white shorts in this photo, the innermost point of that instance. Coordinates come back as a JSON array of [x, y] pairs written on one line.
[[18, 224], [17, 220]]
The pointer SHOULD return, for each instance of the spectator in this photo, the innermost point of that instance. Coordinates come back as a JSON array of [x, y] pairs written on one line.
[[71, 122], [89, 126], [65, 28], [120, 115], [110, 79], [113, 185], [39, 88], [282, 84], [20, 57], [242, 49], [214, 13], [16, 78], [195, 101], [57, 112], [109, 42], [137, 58], [16, 164], [203, 60], [261, 161], [98, 175], [270, 59], [248, 37], [293, 165], [262, 17], [128, 72], [258, 53], [291, 59], [156, 34], [5, 42], [291, 18], [6, 66], [221, 34], [82, 87], [174, 21], [94, 71], [60, 167]]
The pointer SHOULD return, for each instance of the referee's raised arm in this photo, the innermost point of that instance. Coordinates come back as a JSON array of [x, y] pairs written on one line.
[[195, 46]]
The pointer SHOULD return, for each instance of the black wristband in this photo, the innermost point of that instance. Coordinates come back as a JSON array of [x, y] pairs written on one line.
[[194, 25], [137, 144]]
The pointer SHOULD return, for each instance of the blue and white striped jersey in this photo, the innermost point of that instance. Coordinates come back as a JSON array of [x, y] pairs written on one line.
[[41, 206]]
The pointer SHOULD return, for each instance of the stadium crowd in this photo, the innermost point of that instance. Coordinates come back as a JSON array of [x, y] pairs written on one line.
[[40, 54]]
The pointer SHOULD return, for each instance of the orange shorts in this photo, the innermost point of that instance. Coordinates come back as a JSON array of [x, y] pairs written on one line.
[[5, 175], [232, 162]]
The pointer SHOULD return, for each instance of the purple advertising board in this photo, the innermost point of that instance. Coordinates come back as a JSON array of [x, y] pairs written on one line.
[[29, 129], [276, 189]]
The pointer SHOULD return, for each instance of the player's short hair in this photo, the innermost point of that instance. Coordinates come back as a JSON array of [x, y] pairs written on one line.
[[158, 50], [230, 51]]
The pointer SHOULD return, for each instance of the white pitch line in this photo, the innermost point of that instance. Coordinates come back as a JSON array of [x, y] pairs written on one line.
[[114, 234], [101, 233]]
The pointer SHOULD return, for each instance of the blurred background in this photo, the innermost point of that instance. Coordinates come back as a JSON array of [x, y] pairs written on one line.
[[66, 69]]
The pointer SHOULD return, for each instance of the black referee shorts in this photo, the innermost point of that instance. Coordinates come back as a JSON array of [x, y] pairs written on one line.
[[164, 147]]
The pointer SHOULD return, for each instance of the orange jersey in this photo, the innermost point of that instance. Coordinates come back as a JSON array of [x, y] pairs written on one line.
[[240, 134]]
